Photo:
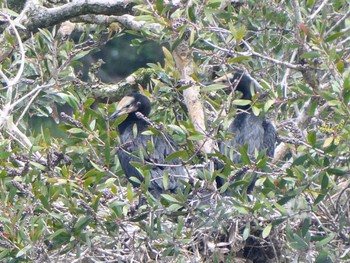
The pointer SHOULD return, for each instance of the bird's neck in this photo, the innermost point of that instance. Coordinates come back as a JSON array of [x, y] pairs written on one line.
[[129, 123], [246, 95], [245, 85]]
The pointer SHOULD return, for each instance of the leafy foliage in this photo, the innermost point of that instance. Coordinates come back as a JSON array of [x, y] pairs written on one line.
[[64, 195]]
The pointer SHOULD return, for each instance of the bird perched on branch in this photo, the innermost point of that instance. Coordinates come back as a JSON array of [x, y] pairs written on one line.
[[151, 150], [248, 129]]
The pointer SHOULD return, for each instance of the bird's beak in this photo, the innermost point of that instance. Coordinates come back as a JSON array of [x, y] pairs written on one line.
[[120, 112], [224, 80], [115, 115], [125, 106]]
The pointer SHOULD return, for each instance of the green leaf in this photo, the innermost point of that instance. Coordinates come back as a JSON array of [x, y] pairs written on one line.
[[244, 155], [9, 12], [174, 207], [340, 66], [160, 6], [267, 230], [177, 129], [262, 162], [333, 102], [129, 192], [4, 253], [46, 35], [4, 152], [38, 165], [135, 180], [240, 102], [75, 130], [268, 104], [346, 90], [89, 102], [311, 138], [242, 210], [196, 137], [237, 32], [92, 173], [328, 142], [213, 87], [139, 218], [311, 54], [313, 107], [192, 38], [224, 187], [319, 198], [170, 198], [191, 14], [70, 99], [81, 54], [281, 209], [180, 224], [325, 182], [323, 257], [329, 96], [325, 241], [246, 232], [60, 232], [168, 56], [289, 233], [300, 160], [238, 59], [305, 227], [97, 167], [23, 251], [179, 154], [306, 89], [165, 180], [334, 36], [256, 111], [82, 223], [299, 243], [335, 171], [36, 148]]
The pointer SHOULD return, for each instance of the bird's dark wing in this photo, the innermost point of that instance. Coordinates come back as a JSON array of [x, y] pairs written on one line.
[[246, 129], [152, 150], [270, 137]]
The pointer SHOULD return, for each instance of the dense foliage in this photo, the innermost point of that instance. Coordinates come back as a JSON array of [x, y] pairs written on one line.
[[63, 193]]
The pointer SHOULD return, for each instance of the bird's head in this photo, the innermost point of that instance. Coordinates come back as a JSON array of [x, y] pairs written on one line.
[[239, 82], [132, 103]]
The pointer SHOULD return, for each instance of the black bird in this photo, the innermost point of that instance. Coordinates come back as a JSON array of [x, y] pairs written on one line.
[[247, 129], [147, 149]]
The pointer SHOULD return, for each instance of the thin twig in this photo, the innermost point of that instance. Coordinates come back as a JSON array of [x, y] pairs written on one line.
[[317, 10], [256, 54], [337, 24]]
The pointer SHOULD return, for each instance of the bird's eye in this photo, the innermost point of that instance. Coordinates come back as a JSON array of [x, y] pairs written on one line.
[[127, 106]]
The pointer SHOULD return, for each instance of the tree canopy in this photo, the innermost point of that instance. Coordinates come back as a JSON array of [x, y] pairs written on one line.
[[63, 193]]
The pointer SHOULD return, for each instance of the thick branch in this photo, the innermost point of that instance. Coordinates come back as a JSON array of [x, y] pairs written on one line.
[[128, 21], [109, 93], [184, 63], [82, 7], [35, 16]]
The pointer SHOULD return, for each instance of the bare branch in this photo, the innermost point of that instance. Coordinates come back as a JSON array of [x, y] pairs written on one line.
[[256, 54], [318, 10], [184, 63], [35, 16]]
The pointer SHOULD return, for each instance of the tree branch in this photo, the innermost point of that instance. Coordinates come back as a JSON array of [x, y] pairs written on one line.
[[184, 63], [35, 16]]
